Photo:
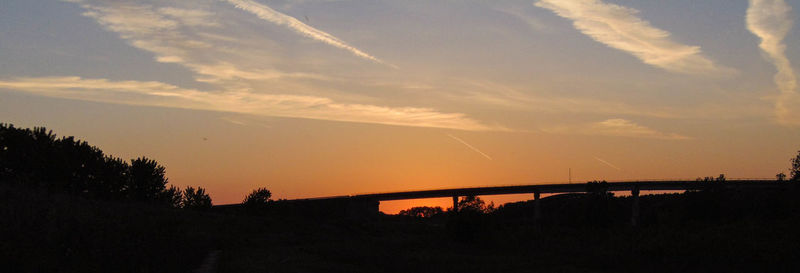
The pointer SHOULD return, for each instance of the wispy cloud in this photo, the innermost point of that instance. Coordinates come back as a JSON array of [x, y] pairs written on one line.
[[151, 29], [532, 22], [271, 15], [237, 67], [166, 95], [492, 93], [607, 163], [618, 27], [771, 21], [470, 146], [242, 121], [188, 37], [615, 127], [190, 17], [509, 97], [627, 128]]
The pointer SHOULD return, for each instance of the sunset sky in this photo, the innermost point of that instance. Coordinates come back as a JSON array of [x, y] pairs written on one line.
[[314, 98]]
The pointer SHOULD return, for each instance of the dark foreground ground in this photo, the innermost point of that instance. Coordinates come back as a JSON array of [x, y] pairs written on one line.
[[710, 231]]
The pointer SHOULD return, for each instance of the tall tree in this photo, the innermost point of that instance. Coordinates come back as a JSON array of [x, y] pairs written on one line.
[[147, 179]]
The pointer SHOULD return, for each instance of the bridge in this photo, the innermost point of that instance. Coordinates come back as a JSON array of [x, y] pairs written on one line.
[[369, 203]]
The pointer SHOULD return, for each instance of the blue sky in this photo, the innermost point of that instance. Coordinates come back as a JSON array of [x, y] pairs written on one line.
[[701, 74]]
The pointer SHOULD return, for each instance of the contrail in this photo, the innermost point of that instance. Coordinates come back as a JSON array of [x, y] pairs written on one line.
[[470, 146], [606, 162], [266, 13]]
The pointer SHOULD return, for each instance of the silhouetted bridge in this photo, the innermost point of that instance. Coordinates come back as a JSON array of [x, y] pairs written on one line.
[[369, 203]]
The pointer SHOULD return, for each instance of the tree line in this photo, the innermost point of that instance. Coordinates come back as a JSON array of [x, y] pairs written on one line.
[[38, 158]]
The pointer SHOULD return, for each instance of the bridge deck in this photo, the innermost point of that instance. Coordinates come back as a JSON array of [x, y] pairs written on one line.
[[568, 188], [677, 185]]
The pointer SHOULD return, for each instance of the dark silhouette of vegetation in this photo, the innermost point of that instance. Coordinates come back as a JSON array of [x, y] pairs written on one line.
[[62, 209], [147, 181], [780, 177], [59, 214], [422, 212], [259, 198], [599, 188], [794, 172], [37, 158], [171, 196], [697, 231], [469, 221], [474, 204], [43, 231], [195, 199], [720, 178]]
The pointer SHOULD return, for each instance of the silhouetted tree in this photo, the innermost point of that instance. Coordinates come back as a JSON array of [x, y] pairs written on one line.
[[598, 188], [112, 178], [196, 199], [720, 178], [780, 177], [474, 204], [259, 198], [171, 196], [422, 212], [36, 158], [794, 172], [147, 179]]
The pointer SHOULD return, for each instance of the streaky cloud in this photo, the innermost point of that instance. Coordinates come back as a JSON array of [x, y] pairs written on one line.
[[266, 13], [618, 27], [771, 21], [627, 128], [181, 36], [243, 81], [615, 127], [607, 163], [470, 147], [190, 17], [150, 93]]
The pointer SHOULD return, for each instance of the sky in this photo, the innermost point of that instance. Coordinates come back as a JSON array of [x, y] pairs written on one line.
[[313, 98]]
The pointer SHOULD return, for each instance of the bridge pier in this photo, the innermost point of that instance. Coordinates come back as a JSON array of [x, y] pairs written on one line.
[[455, 203], [537, 207], [635, 207]]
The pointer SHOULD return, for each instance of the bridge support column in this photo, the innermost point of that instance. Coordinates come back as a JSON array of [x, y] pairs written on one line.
[[455, 203], [635, 208], [537, 207]]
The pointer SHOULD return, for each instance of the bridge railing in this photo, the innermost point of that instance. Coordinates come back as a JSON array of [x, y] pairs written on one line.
[[557, 183]]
